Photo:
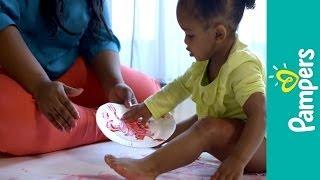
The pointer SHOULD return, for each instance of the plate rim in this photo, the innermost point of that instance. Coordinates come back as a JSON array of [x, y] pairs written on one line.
[[116, 138]]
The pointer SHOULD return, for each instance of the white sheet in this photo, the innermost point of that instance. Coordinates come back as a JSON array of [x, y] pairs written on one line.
[[87, 163]]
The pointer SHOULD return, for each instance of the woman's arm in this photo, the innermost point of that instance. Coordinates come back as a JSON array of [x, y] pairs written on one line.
[[19, 62], [106, 65], [22, 66]]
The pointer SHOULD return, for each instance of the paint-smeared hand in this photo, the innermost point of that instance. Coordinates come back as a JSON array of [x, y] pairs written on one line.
[[137, 112]]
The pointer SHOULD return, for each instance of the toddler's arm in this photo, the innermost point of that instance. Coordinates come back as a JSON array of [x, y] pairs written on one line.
[[163, 101], [254, 130]]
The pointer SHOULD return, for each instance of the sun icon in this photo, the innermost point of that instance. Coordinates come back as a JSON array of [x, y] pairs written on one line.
[[287, 78]]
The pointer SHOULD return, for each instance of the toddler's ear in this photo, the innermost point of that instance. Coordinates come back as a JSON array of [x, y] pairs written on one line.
[[220, 33]]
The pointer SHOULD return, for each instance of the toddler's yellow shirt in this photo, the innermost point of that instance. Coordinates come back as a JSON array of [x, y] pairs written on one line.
[[239, 77]]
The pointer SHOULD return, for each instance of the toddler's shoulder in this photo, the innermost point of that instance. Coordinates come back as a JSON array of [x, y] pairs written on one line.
[[197, 67], [243, 62]]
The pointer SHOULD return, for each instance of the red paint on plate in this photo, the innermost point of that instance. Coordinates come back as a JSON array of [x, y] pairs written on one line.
[[134, 128]]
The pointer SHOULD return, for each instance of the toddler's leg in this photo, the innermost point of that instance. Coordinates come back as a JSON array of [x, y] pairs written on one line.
[[182, 127], [216, 136], [226, 135], [182, 150]]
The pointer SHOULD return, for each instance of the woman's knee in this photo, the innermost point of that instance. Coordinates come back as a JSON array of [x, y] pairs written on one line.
[[25, 130], [16, 108], [14, 100]]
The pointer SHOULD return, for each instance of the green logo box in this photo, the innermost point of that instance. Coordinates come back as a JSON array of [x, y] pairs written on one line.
[[293, 77]]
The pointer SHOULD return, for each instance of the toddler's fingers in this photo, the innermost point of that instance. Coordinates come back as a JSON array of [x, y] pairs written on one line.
[[131, 115], [145, 120], [131, 118], [215, 176], [109, 159]]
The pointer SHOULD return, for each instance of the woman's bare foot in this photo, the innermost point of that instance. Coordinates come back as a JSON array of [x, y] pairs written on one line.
[[131, 168]]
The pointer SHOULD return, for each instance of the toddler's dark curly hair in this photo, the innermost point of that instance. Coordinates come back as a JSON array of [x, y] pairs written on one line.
[[230, 10]]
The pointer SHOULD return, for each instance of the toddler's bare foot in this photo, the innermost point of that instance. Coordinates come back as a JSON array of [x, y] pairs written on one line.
[[131, 168]]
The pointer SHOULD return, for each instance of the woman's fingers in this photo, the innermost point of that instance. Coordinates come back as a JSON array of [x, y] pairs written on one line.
[[50, 114], [129, 98], [54, 122], [65, 108], [132, 100], [60, 117], [53, 101], [69, 106], [127, 94], [64, 116]]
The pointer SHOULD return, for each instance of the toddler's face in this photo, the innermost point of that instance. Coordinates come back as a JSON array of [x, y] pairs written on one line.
[[200, 41]]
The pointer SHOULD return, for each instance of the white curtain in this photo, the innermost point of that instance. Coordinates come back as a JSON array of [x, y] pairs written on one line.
[[152, 41]]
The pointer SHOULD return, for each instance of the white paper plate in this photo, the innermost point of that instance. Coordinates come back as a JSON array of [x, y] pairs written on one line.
[[133, 134]]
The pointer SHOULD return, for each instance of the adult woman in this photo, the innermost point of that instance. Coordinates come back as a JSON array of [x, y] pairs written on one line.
[[44, 46]]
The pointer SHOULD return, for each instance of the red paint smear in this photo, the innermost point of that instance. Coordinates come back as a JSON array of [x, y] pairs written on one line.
[[25, 170], [136, 128]]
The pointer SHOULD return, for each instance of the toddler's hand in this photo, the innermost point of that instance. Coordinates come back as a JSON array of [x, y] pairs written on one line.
[[138, 111], [230, 169], [52, 100]]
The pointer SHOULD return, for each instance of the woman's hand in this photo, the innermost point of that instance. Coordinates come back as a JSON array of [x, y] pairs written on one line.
[[122, 93], [230, 169], [138, 111], [52, 100]]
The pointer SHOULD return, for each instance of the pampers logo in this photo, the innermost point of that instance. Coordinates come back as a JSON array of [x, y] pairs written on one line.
[[289, 80]]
